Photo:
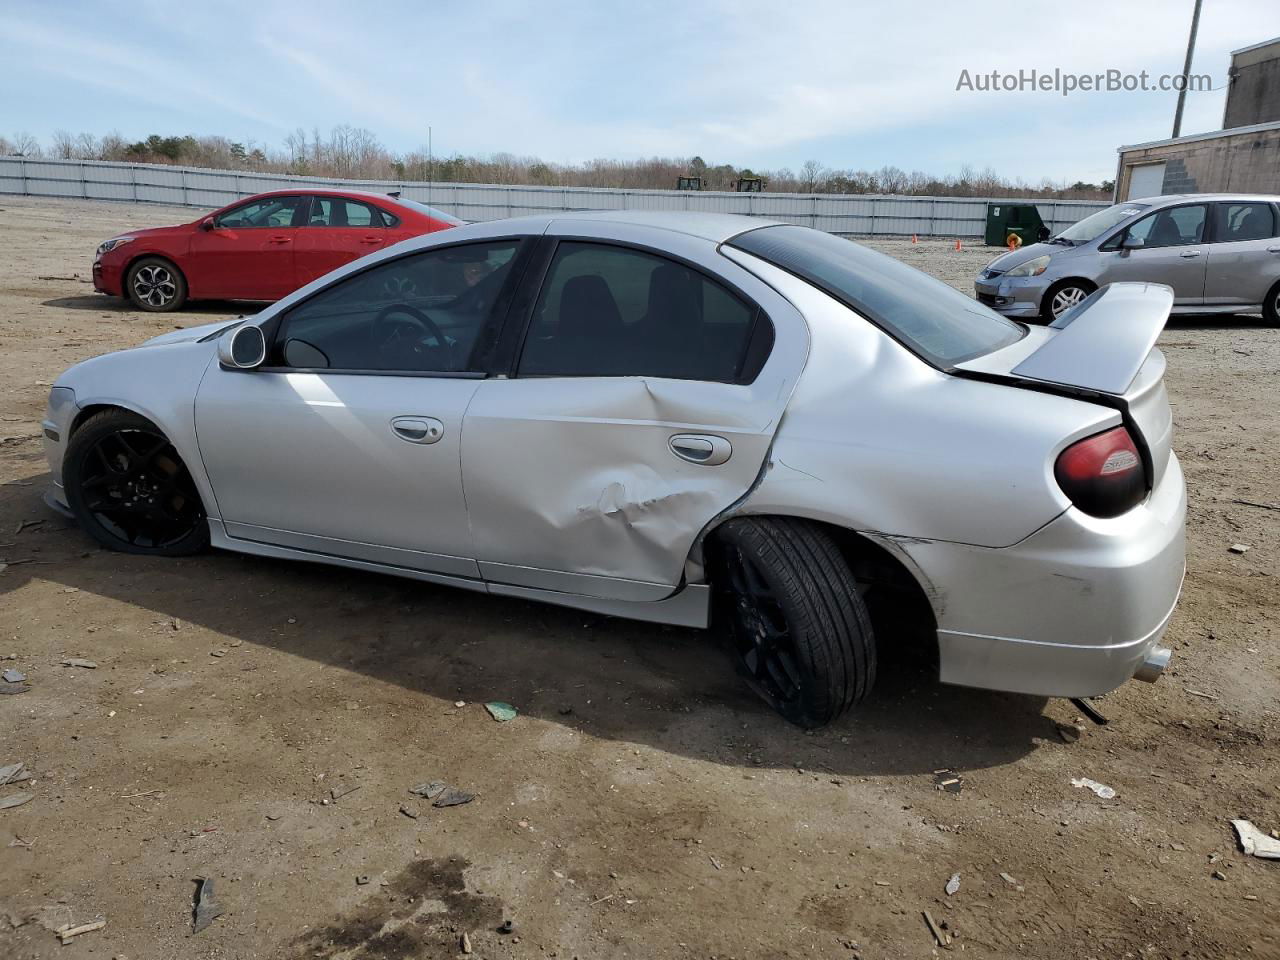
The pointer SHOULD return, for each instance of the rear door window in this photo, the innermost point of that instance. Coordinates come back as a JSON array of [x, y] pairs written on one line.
[[930, 318], [610, 311], [341, 212], [1243, 221]]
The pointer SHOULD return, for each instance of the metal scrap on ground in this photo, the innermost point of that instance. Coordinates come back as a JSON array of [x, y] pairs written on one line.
[[1256, 843], [16, 799], [78, 662], [429, 790], [207, 909], [452, 797], [13, 773]]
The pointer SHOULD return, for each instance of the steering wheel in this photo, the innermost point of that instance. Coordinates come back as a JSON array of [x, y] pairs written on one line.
[[409, 333]]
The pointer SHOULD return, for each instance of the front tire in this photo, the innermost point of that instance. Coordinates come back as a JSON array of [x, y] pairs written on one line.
[[1271, 307], [1062, 296], [797, 627], [129, 489], [155, 285]]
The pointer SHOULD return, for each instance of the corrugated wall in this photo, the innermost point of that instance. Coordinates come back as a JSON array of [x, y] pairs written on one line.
[[856, 214]]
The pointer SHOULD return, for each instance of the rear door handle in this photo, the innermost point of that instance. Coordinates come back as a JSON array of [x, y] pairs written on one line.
[[417, 429], [704, 449], [370, 239], [1273, 249], [280, 239], [1189, 254]]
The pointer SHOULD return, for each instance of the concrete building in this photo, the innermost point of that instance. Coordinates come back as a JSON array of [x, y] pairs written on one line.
[[1244, 157]]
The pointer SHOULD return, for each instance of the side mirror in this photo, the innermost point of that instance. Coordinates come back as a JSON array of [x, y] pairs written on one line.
[[207, 223], [1132, 243], [243, 348]]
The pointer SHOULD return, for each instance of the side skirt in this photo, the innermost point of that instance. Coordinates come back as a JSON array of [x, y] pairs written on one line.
[[688, 607]]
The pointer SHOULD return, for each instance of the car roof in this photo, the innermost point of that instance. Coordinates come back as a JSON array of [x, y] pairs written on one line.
[[1170, 198], [323, 192]]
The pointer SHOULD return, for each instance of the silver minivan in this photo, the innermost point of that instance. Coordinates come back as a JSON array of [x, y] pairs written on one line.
[[1219, 252]]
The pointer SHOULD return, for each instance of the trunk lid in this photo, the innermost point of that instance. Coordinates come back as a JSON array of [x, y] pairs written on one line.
[[1104, 351]]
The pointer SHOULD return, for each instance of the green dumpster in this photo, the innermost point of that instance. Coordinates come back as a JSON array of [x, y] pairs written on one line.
[[1021, 220]]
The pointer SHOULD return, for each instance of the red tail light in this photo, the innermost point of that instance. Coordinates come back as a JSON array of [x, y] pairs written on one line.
[[1103, 475]]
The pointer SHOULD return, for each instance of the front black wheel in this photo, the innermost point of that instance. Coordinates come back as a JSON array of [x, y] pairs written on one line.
[[1271, 306], [130, 490], [789, 607]]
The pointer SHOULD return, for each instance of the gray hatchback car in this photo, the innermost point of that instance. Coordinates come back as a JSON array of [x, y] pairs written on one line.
[[1219, 252]]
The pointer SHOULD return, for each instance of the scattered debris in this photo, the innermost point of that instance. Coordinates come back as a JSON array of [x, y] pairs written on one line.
[[507, 926], [13, 676], [429, 790], [953, 885], [77, 662], [1069, 732], [13, 773], [565, 710], [409, 812], [24, 524], [1101, 789], [1238, 548], [716, 863], [1255, 503], [464, 942], [1219, 875], [943, 939], [947, 781], [452, 797], [502, 712], [1252, 841], [1090, 711], [602, 900], [218, 653], [12, 688], [71, 931], [206, 909], [1202, 695], [337, 793], [1011, 882], [362, 880], [16, 799]]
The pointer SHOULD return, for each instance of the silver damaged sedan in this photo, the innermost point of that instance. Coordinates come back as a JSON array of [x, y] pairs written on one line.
[[689, 419]]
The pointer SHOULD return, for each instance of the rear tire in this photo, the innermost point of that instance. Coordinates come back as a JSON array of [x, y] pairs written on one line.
[[155, 285], [1271, 307], [790, 608], [1062, 296], [129, 489]]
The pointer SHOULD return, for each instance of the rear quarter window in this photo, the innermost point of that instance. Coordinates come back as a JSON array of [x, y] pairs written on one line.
[[930, 318]]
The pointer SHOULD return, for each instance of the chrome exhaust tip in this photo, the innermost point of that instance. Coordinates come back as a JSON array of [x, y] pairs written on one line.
[[1154, 664]]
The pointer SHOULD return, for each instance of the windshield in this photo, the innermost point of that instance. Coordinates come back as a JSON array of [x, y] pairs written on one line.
[[1099, 223], [430, 211], [930, 318]]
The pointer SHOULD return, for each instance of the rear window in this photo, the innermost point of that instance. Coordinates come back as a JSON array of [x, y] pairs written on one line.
[[430, 211], [933, 320]]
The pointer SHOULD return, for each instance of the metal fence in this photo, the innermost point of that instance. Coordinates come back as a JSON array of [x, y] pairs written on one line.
[[846, 214]]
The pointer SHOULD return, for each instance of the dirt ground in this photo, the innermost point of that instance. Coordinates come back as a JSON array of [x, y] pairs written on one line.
[[643, 804]]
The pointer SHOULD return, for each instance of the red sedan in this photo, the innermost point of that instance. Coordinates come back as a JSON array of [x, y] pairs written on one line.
[[261, 248]]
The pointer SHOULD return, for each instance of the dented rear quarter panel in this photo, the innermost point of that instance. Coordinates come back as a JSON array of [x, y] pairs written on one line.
[[878, 441]]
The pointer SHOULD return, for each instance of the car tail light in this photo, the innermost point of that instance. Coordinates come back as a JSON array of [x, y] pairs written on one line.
[[1103, 475]]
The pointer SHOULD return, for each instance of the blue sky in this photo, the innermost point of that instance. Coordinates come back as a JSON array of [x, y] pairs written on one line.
[[850, 84]]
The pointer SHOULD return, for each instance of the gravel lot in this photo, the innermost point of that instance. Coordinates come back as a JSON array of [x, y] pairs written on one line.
[[642, 804]]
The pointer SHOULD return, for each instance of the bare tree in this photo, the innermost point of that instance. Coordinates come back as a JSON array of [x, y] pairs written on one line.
[[64, 144], [812, 174]]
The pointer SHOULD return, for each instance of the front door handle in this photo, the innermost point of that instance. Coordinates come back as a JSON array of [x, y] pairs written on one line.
[[417, 429], [1273, 249], [280, 239], [1189, 254], [370, 239], [704, 449]]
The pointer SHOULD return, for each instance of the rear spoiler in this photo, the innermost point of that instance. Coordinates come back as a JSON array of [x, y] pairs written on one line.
[[1102, 343]]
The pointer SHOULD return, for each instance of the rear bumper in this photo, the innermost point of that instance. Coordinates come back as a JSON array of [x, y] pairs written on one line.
[[1074, 610]]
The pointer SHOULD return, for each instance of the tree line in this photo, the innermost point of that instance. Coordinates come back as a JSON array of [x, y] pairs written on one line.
[[355, 152]]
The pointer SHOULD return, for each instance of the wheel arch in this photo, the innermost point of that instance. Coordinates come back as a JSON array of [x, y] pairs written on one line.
[[899, 598]]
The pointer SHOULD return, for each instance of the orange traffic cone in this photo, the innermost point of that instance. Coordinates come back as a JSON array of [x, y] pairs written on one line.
[[958, 247], [914, 238]]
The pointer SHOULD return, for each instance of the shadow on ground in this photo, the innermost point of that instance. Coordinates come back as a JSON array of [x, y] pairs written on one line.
[[1217, 321], [668, 687], [102, 303]]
